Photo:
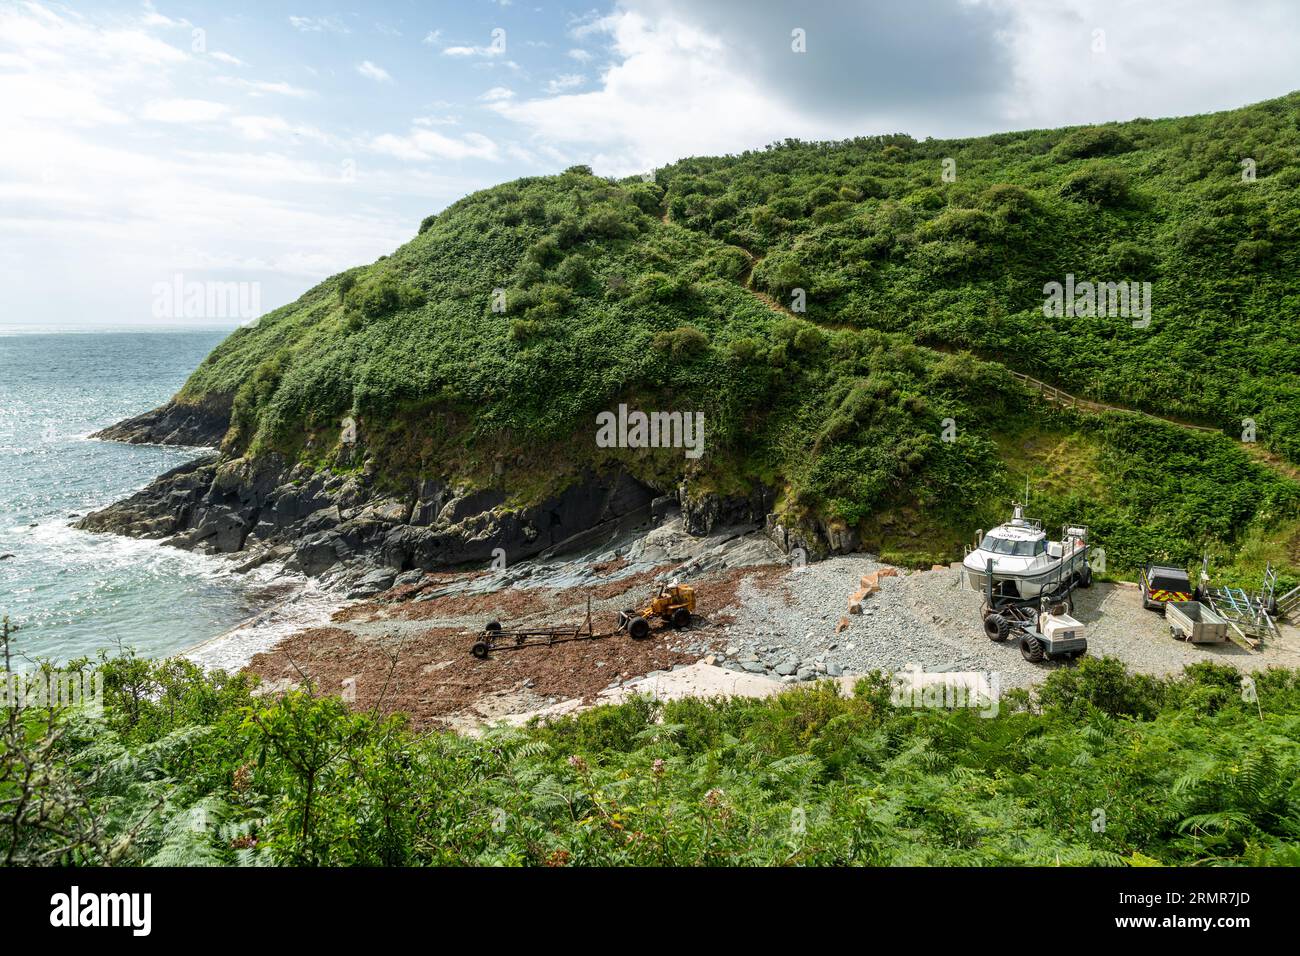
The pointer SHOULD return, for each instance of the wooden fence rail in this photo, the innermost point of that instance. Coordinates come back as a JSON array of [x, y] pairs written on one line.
[[1055, 395]]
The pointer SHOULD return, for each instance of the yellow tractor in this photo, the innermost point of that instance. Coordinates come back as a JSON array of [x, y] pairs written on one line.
[[675, 603]]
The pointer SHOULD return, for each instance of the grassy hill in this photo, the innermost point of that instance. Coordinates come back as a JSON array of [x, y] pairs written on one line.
[[921, 294]]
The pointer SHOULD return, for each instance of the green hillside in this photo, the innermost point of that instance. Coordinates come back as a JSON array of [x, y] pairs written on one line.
[[921, 295]]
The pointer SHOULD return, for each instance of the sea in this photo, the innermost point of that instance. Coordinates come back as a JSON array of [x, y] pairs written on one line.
[[74, 594]]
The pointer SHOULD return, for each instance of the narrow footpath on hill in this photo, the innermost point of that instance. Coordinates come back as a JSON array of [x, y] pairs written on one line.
[[1046, 391]]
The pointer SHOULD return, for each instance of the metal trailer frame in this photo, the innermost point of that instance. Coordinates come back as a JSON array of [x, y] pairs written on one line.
[[1250, 616], [495, 638]]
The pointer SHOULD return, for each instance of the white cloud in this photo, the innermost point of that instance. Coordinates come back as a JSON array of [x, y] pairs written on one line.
[[425, 144], [373, 72], [318, 25], [183, 111], [228, 59], [672, 93], [495, 48], [1151, 62], [264, 87], [565, 81], [582, 56], [498, 94], [264, 128], [432, 37]]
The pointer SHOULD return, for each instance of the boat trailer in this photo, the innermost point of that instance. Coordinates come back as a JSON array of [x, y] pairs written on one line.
[[1054, 635], [497, 638]]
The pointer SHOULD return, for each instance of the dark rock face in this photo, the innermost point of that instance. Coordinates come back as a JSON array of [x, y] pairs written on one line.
[[816, 539], [701, 513], [316, 521], [172, 424]]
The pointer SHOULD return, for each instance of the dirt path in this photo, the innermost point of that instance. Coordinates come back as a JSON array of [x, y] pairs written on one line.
[[1048, 392]]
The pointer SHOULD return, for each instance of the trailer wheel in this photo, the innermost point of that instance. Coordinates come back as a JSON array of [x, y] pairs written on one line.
[[1075, 655], [639, 628], [681, 618], [493, 627], [1031, 649], [996, 627], [1085, 576], [480, 650]]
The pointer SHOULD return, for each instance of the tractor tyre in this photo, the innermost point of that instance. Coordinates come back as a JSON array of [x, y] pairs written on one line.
[[638, 628], [681, 618], [1031, 649], [996, 627]]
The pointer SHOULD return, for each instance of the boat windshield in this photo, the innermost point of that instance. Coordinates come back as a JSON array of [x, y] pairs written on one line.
[[1019, 549]]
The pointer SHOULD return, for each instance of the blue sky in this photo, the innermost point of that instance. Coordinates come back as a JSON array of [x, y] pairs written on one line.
[[277, 143]]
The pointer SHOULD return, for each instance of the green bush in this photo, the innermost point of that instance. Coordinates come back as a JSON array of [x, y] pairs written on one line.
[[1099, 185], [190, 768], [682, 342]]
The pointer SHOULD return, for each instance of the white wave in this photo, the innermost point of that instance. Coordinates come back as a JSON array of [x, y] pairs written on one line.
[[308, 606]]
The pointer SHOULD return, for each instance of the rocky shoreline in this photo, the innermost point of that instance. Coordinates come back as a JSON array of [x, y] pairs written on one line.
[[357, 534]]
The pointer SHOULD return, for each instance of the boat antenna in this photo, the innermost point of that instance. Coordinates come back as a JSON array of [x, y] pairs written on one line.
[[1026, 491]]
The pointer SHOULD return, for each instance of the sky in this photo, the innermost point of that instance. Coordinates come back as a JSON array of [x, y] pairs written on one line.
[[249, 150]]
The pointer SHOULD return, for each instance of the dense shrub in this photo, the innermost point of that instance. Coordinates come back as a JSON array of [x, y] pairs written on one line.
[[190, 768], [1100, 185]]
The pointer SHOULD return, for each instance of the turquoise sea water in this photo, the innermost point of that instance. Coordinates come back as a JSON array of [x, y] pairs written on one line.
[[72, 592]]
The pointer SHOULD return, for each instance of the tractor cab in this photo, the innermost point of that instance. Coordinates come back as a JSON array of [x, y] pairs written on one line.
[[674, 603]]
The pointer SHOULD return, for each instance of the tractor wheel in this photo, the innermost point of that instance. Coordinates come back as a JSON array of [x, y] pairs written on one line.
[[1031, 649], [480, 650], [681, 618], [996, 627], [639, 628], [493, 627]]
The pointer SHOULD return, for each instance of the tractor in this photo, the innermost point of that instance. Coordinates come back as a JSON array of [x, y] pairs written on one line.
[[675, 603]]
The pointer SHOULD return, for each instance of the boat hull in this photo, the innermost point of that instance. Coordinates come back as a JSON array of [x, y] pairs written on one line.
[[1031, 584]]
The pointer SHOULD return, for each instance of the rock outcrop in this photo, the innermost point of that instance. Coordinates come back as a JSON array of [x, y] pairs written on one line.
[[315, 522], [173, 424]]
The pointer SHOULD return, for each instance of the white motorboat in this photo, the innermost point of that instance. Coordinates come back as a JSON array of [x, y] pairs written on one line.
[[1023, 562]]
